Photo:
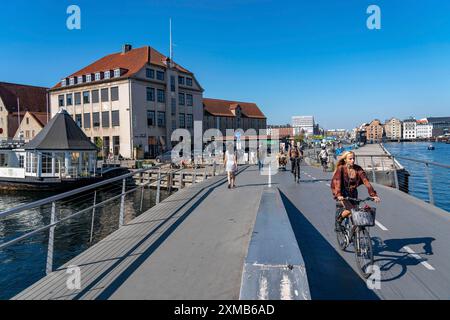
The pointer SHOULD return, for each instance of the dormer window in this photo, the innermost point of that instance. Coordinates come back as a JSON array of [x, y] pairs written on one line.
[[107, 74], [63, 82], [116, 73], [72, 81], [97, 76], [88, 78], [80, 79]]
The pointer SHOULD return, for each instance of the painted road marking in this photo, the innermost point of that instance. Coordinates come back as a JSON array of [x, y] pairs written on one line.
[[415, 255], [381, 226], [328, 184]]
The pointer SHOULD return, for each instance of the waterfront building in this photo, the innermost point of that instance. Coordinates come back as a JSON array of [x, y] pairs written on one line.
[[336, 133], [130, 102], [226, 114], [409, 129], [305, 123], [31, 124], [424, 129], [374, 131], [284, 131], [393, 129], [15, 101]]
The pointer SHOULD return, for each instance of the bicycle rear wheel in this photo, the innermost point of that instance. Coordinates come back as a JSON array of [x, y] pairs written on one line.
[[363, 251]]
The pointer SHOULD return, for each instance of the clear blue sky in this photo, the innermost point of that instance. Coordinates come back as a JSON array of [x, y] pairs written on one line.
[[291, 58]]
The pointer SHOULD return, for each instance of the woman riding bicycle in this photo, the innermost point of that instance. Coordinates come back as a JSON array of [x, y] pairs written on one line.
[[346, 179]]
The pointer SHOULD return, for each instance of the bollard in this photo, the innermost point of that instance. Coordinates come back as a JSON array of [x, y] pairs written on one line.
[[122, 205], [51, 238], [93, 217]]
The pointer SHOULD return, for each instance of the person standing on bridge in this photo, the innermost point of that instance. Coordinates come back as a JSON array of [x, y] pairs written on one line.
[[346, 179], [230, 165]]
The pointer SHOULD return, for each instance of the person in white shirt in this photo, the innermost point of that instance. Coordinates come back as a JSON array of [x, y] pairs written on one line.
[[230, 163]]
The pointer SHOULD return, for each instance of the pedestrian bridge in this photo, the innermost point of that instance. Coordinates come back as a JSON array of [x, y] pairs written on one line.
[[260, 241]]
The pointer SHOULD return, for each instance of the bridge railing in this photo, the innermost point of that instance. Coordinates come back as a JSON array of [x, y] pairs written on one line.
[[90, 199]]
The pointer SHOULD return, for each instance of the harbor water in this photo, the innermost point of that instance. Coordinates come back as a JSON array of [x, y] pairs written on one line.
[[418, 183]]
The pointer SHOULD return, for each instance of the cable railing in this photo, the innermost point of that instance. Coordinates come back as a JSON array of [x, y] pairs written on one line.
[[117, 189]]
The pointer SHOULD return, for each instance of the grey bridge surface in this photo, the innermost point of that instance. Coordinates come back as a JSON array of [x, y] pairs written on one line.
[[193, 245]]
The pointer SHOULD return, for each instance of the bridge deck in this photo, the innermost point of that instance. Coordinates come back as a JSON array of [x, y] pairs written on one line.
[[193, 245]]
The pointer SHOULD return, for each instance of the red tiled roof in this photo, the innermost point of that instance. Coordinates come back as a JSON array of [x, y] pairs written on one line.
[[132, 61], [31, 98], [224, 108]]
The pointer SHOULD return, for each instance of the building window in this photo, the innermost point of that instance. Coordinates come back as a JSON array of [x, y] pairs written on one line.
[[116, 73], [105, 119], [150, 118], [181, 120], [77, 98], [172, 83], [160, 75], [46, 162], [150, 73], [85, 97], [189, 121], [61, 100], [161, 96], [78, 120], [105, 94], [69, 99], [181, 99], [189, 82], [107, 75], [174, 124], [71, 81], [115, 119], [150, 94], [116, 145], [189, 101], [161, 119], [114, 93], [173, 105], [94, 96], [28, 120], [95, 119], [80, 79], [87, 120], [97, 76], [181, 80], [88, 78], [21, 161], [63, 82]]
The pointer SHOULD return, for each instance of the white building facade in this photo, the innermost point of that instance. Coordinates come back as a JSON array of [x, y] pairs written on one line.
[[409, 129], [305, 123]]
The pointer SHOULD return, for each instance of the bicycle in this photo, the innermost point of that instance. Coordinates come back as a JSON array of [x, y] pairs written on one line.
[[296, 169], [355, 230]]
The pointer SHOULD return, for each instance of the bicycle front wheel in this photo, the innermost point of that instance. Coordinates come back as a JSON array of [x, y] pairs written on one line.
[[363, 252]]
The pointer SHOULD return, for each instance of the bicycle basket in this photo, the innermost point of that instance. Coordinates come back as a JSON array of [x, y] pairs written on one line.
[[364, 217]]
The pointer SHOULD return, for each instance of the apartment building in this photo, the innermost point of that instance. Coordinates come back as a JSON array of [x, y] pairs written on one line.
[[409, 129], [130, 102], [226, 114], [15, 101], [374, 131], [424, 130], [32, 123], [393, 129]]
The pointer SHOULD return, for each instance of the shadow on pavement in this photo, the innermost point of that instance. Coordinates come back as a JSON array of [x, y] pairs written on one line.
[[329, 275]]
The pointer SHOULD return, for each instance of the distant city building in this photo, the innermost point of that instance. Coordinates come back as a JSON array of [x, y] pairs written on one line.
[[283, 131], [424, 130], [441, 125], [225, 114], [15, 101], [393, 129], [32, 123], [338, 133], [305, 123], [374, 131], [409, 129], [131, 101]]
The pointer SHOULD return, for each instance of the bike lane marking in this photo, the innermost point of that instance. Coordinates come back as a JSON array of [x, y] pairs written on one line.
[[415, 255], [381, 226]]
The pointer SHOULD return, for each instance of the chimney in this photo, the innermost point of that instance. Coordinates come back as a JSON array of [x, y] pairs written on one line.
[[126, 48]]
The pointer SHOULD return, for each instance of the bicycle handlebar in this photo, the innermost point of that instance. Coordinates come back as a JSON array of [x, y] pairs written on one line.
[[359, 200]]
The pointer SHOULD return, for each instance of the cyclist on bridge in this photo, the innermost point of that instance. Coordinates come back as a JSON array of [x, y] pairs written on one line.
[[295, 154], [346, 179]]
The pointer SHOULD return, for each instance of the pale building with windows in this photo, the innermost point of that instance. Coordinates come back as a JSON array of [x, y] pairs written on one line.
[[130, 102], [424, 129], [303, 124], [409, 129], [32, 123], [393, 129]]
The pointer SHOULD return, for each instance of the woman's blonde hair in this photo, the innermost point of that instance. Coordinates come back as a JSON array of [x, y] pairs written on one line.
[[342, 158]]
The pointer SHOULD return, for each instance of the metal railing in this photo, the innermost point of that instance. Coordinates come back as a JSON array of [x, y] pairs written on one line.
[[85, 193]]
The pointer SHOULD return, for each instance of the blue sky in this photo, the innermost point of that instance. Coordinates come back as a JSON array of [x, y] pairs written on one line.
[[290, 57]]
